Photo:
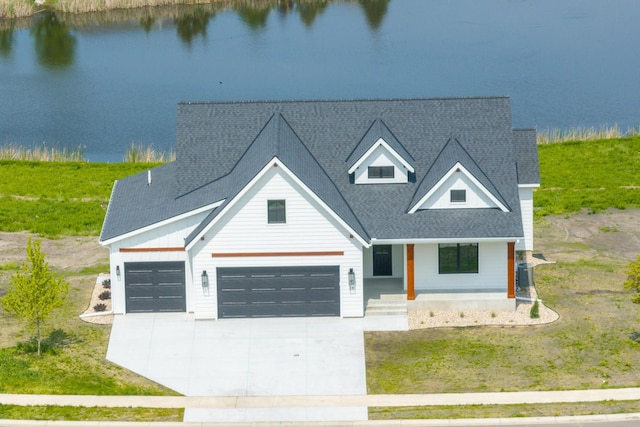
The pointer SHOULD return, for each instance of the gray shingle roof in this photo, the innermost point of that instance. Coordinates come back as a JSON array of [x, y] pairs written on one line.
[[452, 153], [527, 156], [217, 141], [378, 130]]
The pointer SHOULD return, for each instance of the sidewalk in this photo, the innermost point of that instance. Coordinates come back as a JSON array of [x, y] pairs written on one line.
[[528, 397]]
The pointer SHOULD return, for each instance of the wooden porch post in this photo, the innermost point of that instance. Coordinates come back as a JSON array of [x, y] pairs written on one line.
[[411, 295], [511, 254]]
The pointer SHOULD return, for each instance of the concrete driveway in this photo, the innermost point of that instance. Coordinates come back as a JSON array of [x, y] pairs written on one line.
[[242, 357]]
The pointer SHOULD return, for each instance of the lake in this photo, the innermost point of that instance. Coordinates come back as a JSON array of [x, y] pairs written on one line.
[[102, 81]]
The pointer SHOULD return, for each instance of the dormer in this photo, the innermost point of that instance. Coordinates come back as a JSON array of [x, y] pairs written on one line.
[[379, 158], [455, 181]]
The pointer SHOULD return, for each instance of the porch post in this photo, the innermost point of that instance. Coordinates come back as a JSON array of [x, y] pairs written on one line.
[[411, 295], [511, 288]]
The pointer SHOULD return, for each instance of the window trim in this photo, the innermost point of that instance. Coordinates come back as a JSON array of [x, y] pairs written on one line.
[[458, 267], [458, 192], [273, 216], [381, 172]]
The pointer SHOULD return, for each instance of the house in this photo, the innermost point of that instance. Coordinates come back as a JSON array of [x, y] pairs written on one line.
[[297, 208]]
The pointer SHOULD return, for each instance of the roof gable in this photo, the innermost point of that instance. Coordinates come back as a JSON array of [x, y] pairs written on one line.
[[379, 135], [451, 159], [277, 140]]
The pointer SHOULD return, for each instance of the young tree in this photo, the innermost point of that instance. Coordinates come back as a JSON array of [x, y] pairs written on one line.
[[35, 291], [633, 279]]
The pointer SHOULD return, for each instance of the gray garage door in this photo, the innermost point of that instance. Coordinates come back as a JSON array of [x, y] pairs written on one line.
[[278, 291], [154, 286]]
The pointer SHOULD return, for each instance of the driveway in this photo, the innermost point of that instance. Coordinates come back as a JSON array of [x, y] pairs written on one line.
[[242, 357]]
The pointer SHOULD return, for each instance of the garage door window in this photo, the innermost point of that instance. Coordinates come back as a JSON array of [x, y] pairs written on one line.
[[276, 211]]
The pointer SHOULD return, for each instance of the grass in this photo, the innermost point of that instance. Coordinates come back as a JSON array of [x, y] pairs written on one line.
[[591, 175], [503, 411], [58, 198], [74, 413], [73, 361], [40, 153], [137, 153]]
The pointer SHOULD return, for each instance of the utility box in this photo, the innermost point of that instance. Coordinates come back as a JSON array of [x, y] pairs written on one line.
[[524, 276]]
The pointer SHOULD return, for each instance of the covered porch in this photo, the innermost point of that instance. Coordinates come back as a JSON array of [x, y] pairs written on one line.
[[403, 277]]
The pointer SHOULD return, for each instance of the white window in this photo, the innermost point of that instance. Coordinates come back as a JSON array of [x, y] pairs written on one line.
[[458, 196], [276, 211]]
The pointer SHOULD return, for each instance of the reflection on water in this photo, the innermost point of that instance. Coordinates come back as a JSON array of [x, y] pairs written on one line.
[[6, 42], [193, 23], [53, 41]]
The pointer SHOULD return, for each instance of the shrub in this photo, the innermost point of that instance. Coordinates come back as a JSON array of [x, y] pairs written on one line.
[[106, 283], [105, 295], [100, 307], [535, 310]]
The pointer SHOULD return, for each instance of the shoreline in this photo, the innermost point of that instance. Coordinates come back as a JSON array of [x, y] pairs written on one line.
[[12, 10]]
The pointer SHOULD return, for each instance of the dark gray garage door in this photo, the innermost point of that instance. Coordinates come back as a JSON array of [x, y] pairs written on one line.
[[154, 286], [278, 291]]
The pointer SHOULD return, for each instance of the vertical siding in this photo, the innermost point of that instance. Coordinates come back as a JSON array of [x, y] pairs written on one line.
[[171, 235], [381, 157], [492, 270], [476, 198], [526, 207], [308, 228]]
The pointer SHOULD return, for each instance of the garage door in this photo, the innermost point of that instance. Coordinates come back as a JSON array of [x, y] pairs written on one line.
[[154, 286], [278, 291]]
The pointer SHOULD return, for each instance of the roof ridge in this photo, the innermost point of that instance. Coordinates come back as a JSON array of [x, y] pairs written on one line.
[[308, 100]]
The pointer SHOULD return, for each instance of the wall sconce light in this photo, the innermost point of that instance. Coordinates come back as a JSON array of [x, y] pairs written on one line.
[[205, 283], [118, 272], [352, 281]]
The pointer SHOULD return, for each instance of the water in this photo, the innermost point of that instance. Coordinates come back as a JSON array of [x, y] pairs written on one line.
[[69, 82]]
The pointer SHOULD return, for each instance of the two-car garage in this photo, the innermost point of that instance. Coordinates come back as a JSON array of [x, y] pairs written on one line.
[[290, 291]]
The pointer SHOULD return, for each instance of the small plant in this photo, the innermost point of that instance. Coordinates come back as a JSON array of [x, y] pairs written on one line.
[[493, 314], [535, 310], [106, 283], [100, 307], [105, 295], [461, 315], [431, 314]]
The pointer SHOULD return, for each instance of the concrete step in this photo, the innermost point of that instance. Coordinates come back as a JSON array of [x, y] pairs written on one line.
[[386, 307]]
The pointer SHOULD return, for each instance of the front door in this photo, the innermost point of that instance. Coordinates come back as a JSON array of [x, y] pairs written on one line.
[[382, 260]]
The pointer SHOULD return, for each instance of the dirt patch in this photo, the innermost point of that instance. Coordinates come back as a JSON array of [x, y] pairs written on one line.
[[614, 234], [65, 253]]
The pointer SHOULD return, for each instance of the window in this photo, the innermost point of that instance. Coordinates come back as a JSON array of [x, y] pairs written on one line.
[[458, 258], [384, 172], [458, 196], [276, 212]]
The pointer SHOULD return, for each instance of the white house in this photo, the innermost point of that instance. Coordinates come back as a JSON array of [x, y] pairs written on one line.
[[297, 208]]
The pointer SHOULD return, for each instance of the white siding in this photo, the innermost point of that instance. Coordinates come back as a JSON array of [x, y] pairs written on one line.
[[492, 270], [526, 207], [308, 228], [476, 197], [397, 262], [171, 235], [381, 157]]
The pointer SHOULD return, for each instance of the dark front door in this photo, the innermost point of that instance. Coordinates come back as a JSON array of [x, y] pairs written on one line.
[[382, 260], [154, 286], [278, 291]]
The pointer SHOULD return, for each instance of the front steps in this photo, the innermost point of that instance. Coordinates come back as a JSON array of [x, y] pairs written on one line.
[[387, 305]]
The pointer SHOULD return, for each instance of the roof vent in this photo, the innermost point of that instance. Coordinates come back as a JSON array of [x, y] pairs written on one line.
[[149, 177]]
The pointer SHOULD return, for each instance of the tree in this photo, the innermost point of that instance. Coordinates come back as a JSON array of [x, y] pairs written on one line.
[[633, 279], [35, 291]]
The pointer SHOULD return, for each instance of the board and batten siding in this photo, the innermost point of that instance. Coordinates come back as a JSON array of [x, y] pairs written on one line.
[[526, 207], [381, 157], [440, 199], [170, 235], [308, 228], [491, 276]]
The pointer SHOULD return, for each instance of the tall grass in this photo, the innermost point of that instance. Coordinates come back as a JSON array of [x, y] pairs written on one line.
[[16, 8], [550, 136], [137, 153], [41, 153]]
